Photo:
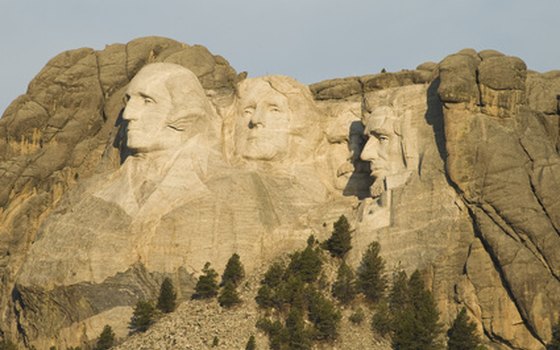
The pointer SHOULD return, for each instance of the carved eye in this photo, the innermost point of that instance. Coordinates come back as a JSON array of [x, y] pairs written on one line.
[[126, 98], [248, 111], [148, 100], [383, 138], [274, 108]]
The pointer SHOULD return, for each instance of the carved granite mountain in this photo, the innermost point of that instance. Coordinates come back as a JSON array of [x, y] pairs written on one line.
[[453, 167]]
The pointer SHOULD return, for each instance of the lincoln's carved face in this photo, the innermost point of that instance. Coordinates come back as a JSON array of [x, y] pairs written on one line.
[[165, 105], [383, 149], [263, 128]]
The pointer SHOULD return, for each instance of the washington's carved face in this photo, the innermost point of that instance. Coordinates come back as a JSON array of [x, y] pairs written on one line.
[[262, 130], [148, 107], [383, 149]]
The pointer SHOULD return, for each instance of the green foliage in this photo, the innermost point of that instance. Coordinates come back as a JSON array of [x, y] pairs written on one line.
[[277, 334], [357, 316], [324, 315], [207, 285], [381, 319], [215, 341], [266, 295], [142, 317], [340, 241], [462, 333], [398, 297], [229, 296], [106, 339], [167, 297], [415, 325], [234, 271], [371, 280], [555, 341], [8, 345], [344, 289], [306, 264], [251, 344], [298, 337]]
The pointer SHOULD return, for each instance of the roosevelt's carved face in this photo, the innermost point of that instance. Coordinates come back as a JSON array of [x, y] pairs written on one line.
[[262, 130], [165, 106], [383, 149]]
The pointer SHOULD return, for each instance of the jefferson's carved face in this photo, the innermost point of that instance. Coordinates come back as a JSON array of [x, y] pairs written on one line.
[[262, 130], [383, 149]]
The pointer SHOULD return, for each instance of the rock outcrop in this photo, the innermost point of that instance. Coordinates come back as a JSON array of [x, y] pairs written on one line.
[[453, 167]]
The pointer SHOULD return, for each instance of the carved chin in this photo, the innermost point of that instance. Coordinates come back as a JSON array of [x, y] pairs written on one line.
[[256, 150]]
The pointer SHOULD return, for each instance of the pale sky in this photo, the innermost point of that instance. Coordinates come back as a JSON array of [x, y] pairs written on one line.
[[310, 40]]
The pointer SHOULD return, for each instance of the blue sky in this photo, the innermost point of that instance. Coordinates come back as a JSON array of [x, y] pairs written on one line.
[[310, 40]]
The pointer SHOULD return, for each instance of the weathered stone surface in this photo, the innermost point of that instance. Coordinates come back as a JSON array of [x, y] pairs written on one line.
[[453, 168], [503, 185]]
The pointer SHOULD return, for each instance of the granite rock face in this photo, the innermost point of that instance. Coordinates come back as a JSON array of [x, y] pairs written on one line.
[[142, 161]]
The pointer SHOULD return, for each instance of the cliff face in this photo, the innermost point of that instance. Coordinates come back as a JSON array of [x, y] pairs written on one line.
[[467, 191]]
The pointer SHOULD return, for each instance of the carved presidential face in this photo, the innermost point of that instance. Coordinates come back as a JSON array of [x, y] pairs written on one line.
[[383, 149], [263, 128], [165, 105]]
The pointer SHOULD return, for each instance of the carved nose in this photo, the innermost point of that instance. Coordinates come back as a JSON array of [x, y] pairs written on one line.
[[128, 113], [256, 119], [369, 152]]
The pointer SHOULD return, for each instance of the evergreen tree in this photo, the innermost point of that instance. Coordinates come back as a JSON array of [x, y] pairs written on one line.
[[416, 324], [106, 339], [343, 288], [324, 315], [234, 271], [228, 295], [167, 296], [207, 285], [555, 341], [142, 317], [398, 296], [7, 345], [371, 280], [340, 241], [381, 319], [298, 337], [306, 264], [251, 344], [266, 295], [462, 333]]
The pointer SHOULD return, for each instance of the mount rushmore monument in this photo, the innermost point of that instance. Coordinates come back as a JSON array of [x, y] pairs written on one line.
[[144, 160]]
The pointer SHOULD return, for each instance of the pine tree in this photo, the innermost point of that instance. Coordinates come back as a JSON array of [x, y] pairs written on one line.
[[462, 333], [267, 295], [306, 264], [371, 280], [398, 296], [340, 241], [555, 341], [251, 344], [106, 339], [324, 315], [343, 288], [234, 271], [381, 321], [298, 337], [142, 317], [416, 324], [167, 296], [207, 285], [7, 345], [228, 295]]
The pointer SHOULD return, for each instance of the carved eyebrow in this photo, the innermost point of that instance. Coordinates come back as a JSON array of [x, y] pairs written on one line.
[[143, 95]]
